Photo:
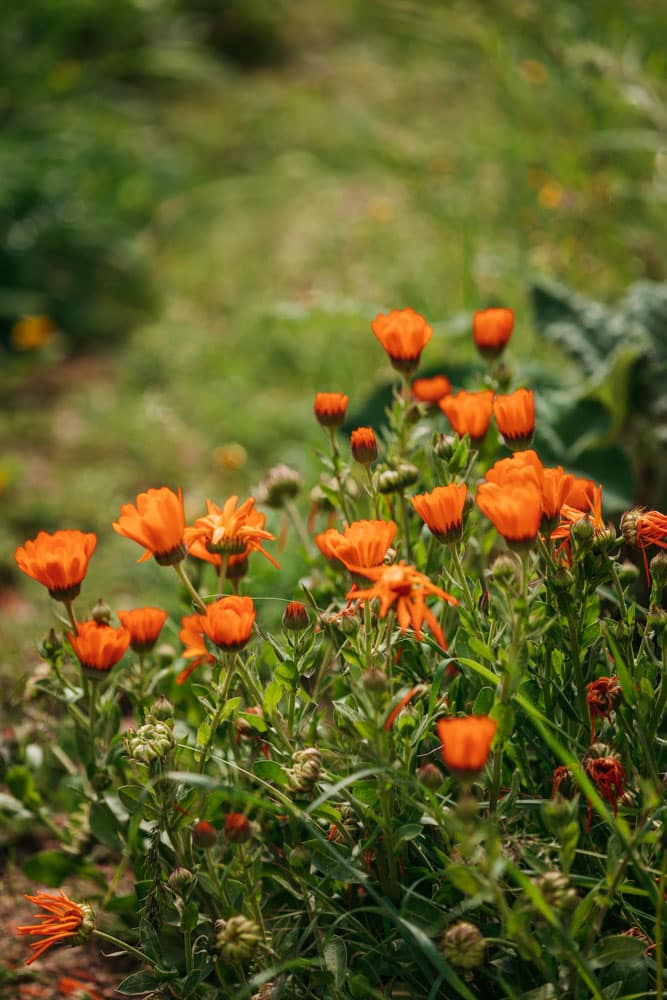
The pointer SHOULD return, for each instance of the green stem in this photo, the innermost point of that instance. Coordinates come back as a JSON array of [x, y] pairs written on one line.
[[299, 527], [406, 525], [372, 492], [227, 665], [462, 579], [335, 455], [71, 614], [658, 932], [254, 904], [189, 586], [117, 943]]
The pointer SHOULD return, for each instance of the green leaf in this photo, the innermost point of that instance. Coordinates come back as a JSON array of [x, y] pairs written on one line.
[[203, 734], [270, 771], [132, 797], [484, 701], [466, 879], [22, 786], [138, 983], [626, 682], [272, 696], [104, 826], [409, 831], [335, 959], [504, 716], [189, 917], [51, 868], [480, 648], [617, 948]]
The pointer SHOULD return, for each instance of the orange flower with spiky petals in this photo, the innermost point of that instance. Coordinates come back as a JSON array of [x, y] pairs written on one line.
[[602, 697], [570, 515], [98, 647], [364, 446], [610, 779], [330, 408], [228, 531], [58, 561], [404, 586], [70, 987], [491, 330], [515, 417], [144, 626], [64, 920], [642, 528], [431, 390], [192, 637], [158, 523], [469, 412], [466, 742], [404, 334], [514, 511], [442, 510], [362, 544]]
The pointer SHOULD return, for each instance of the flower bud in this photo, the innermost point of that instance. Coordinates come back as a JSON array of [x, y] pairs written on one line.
[[582, 532], [299, 856], [101, 612], [180, 879], [51, 646], [281, 483], [629, 526], [149, 742], [364, 446], [204, 834], [430, 776], [657, 619], [295, 617], [395, 480], [504, 568], [463, 945], [557, 891], [305, 770], [238, 828], [162, 709], [238, 938], [562, 580], [628, 572], [658, 567]]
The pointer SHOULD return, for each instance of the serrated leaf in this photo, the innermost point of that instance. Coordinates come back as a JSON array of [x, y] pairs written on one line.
[[189, 917]]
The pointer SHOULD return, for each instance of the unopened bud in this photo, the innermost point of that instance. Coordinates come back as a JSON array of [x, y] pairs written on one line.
[[204, 834], [628, 572], [364, 446], [463, 945], [562, 580], [504, 568], [657, 619], [281, 483], [582, 531], [162, 709], [238, 938], [50, 646], [180, 879], [101, 612], [295, 617], [238, 828], [629, 526], [557, 891], [430, 776], [306, 769], [658, 567]]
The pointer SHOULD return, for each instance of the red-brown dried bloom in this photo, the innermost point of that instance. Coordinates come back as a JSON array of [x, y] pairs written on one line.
[[58, 561], [404, 334], [602, 697], [204, 834], [361, 545], [466, 742], [330, 408], [515, 417], [610, 779], [98, 647], [469, 412], [491, 330], [229, 530], [442, 510], [561, 775], [431, 390], [515, 511], [158, 523], [238, 828], [363, 445], [144, 626], [64, 920]]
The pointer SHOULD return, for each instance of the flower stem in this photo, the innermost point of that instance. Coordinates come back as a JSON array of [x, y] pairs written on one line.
[[117, 943], [189, 586], [227, 665]]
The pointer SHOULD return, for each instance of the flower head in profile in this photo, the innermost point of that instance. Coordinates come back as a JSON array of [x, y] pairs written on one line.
[[643, 528], [62, 920], [330, 408], [431, 390], [98, 647], [192, 637], [608, 774], [602, 697], [443, 510], [514, 510], [157, 522], [491, 330], [229, 622], [590, 513], [362, 544], [144, 626], [364, 446], [466, 742], [469, 412], [515, 417], [404, 334], [58, 561], [405, 588], [230, 530]]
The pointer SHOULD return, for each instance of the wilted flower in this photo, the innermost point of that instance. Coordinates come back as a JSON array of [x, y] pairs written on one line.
[[204, 834], [442, 510], [466, 742], [602, 697], [58, 561], [609, 776], [64, 920], [469, 412], [305, 770], [404, 334], [330, 408], [144, 626], [98, 647], [158, 523], [238, 828], [491, 330], [642, 528]]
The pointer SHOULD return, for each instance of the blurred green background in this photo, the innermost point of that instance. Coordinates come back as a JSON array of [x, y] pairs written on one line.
[[205, 202]]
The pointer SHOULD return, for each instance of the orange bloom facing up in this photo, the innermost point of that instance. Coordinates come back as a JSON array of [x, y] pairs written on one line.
[[361, 545], [229, 622], [491, 330], [523, 468], [330, 408], [469, 412], [515, 417], [431, 390], [158, 523], [364, 446], [514, 511], [407, 588], [144, 626], [466, 742], [64, 920], [230, 531], [58, 561], [404, 334], [442, 510], [98, 647]]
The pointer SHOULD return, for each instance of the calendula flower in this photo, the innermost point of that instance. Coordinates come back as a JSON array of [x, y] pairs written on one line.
[[295, 617], [469, 412], [77, 988], [58, 561], [144, 626], [405, 588], [571, 515], [602, 697], [158, 523], [330, 408], [238, 828], [192, 637], [442, 510], [98, 647], [431, 390], [230, 531], [228, 623], [364, 446], [466, 742], [642, 528], [515, 417], [557, 486], [362, 544], [523, 468], [514, 511], [491, 330], [63, 920], [404, 334]]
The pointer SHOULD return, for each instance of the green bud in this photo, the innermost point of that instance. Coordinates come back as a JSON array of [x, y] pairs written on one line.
[[101, 612], [463, 945], [237, 939]]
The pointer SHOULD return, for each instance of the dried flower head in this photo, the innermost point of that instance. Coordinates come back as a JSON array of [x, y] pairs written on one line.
[[609, 776], [642, 528], [404, 334], [280, 484], [466, 742], [58, 561], [238, 938], [63, 920], [469, 412], [144, 626], [238, 828], [602, 697], [443, 510], [330, 408], [157, 522], [491, 330], [98, 647], [463, 945]]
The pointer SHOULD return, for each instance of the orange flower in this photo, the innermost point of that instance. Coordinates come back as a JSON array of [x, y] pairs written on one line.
[[581, 494], [442, 510], [70, 987], [609, 776], [431, 390], [404, 334], [602, 697], [469, 412], [330, 408], [408, 589], [58, 561], [229, 622], [192, 637], [515, 511], [556, 487], [642, 528], [363, 445], [64, 920], [491, 330], [98, 647], [228, 531], [570, 515], [158, 523], [523, 468], [466, 742], [515, 417], [361, 545], [144, 626]]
